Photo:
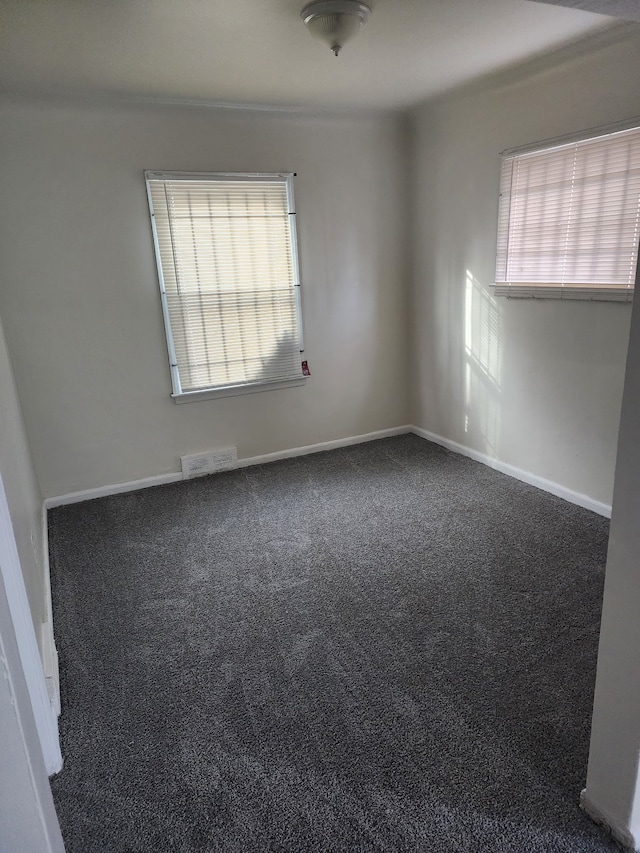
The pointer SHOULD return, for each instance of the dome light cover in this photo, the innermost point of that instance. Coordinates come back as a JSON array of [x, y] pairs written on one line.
[[335, 21]]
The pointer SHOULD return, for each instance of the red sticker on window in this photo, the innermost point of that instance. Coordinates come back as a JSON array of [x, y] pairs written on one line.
[[305, 369]]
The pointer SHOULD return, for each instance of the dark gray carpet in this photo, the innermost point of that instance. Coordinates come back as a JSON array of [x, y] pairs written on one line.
[[381, 648]]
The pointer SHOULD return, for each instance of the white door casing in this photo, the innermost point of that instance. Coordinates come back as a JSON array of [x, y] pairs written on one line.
[[44, 713]]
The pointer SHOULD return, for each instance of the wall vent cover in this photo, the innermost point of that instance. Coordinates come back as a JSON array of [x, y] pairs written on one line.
[[200, 464]]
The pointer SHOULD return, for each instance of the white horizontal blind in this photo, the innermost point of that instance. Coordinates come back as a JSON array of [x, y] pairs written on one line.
[[569, 215], [228, 268]]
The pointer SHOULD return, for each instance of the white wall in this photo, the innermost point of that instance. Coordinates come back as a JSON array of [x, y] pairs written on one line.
[[23, 493], [534, 383], [80, 295]]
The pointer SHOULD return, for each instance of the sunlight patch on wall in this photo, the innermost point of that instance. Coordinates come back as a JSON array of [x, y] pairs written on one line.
[[483, 365]]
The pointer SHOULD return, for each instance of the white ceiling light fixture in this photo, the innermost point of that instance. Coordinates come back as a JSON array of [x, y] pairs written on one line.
[[335, 21]]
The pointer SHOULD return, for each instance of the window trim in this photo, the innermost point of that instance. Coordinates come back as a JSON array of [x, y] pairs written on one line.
[[237, 390], [213, 392], [605, 293], [548, 291], [576, 136]]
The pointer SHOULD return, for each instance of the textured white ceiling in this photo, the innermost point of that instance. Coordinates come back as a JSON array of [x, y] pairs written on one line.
[[259, 52]]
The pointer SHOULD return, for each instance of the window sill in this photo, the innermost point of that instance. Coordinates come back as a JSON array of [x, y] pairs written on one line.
[[235, 390], [604, 294]]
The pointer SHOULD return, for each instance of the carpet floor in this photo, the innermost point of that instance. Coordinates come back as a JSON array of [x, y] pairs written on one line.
[[386, 647]]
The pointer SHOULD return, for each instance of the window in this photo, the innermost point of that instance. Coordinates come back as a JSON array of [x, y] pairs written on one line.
[[569, 217], [227, 264]]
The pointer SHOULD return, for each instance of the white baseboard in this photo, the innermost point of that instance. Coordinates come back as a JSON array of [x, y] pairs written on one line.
[[323, 445], [113, 489], [174, 477], [622, 834], [525, 476], [504, 467]]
